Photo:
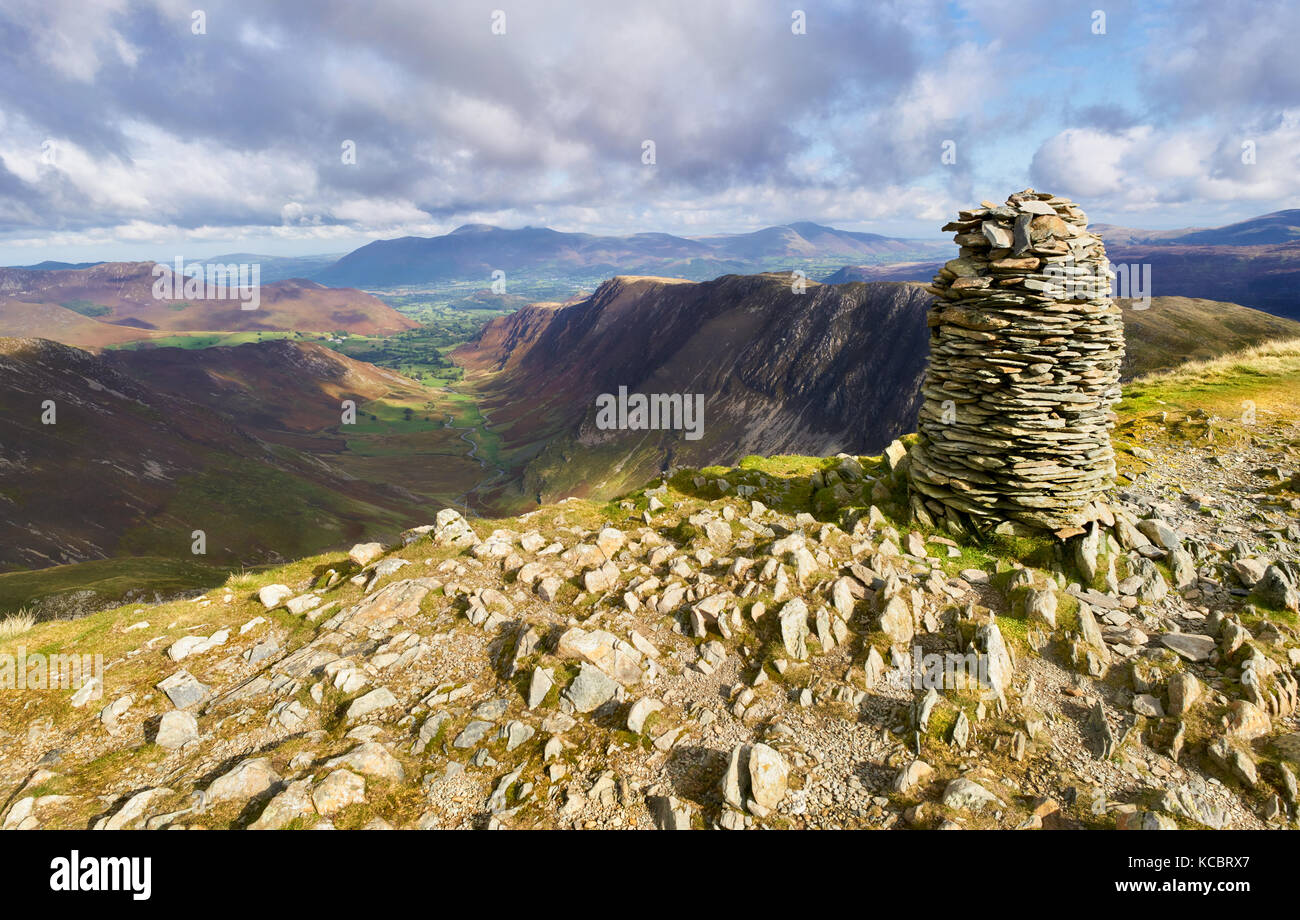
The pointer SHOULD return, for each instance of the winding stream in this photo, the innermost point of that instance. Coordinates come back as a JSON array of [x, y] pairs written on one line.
[[472, 453]]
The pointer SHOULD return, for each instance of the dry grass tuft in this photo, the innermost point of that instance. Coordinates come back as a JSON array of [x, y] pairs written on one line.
[[1269, 358], [15, 624]]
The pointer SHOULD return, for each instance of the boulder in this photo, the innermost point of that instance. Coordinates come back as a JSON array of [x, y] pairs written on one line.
[[768, 776], [1184, 693], [1278, 589], [293, 802], [966, 794], [912, 777], [249, 779], [640, 711], [591, 689], [371, 759], [176, 729], [616, 658], [365, 553], [1191, 646], [896, 622], [794, 628], [274, 595], [337, 791], [185, 690], [376, 700]]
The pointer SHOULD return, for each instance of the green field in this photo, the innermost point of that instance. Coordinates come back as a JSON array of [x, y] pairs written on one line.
[[197, 340], [420, 354], [87, 307]]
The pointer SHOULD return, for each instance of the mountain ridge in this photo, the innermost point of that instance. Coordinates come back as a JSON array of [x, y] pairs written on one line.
[[110, 297], [784, 372], [1266, 229], [474, 251], [853, 384]]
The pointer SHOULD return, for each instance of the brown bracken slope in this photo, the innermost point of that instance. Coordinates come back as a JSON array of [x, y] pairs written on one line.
[[114, 302]]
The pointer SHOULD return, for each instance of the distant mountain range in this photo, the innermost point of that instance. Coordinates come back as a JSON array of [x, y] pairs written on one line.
[[278, 268], [1265, 230], [113, 302], [274, 268], [475, 251], [1255, 262], [48, 266], [1252, 262]]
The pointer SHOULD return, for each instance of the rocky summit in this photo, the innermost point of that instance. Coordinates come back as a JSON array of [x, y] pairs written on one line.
[[776, 645], [1025, 354]]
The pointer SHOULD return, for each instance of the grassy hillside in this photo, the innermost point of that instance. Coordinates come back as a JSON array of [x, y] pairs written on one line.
[[1173, 330], [246, 444], [1267, 375]]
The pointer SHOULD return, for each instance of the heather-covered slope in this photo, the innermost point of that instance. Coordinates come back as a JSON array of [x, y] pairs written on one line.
[[242, 443], [113, 302]]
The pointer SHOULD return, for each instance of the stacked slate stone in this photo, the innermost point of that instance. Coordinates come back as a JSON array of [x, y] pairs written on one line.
[[1025, 351]]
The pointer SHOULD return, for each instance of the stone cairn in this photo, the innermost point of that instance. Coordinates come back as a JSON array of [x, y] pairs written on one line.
[[1025, 351]]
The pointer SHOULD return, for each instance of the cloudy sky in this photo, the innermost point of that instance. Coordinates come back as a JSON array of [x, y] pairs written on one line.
[[152, 128]]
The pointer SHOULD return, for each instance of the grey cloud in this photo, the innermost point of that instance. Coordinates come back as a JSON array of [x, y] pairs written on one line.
[[719, 88], [1106, 117], [551, 115], [1237, 59]]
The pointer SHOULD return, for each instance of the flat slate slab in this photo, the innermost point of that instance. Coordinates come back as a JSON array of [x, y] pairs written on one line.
[[1189, 645], [185, 690]]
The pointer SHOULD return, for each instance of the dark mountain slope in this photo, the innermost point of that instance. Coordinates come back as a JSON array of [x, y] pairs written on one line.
[[1264, 278], [833, 368]]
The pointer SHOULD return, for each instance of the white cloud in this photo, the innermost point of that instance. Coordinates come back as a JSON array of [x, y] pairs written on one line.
[[1145, 167], [159, 131], [73, 35], [1087, 163]]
